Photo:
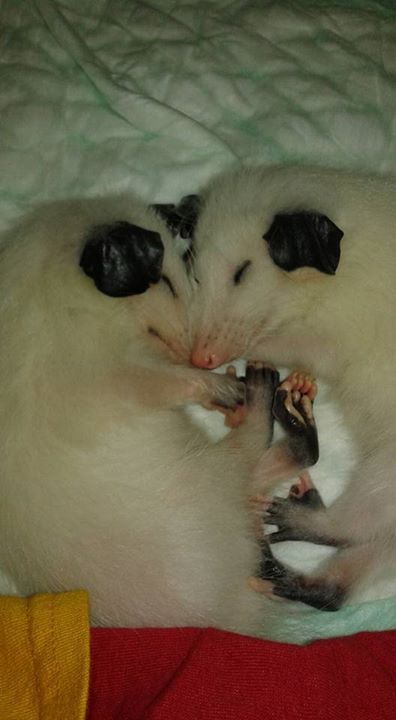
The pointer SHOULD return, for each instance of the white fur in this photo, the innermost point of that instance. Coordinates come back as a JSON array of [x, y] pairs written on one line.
[[105, 484], [342, 328]]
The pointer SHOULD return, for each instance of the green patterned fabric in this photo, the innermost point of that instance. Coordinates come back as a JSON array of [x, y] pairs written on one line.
[[116, 94]]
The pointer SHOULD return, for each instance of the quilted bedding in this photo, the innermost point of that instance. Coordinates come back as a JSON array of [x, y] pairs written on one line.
[[156, 96]]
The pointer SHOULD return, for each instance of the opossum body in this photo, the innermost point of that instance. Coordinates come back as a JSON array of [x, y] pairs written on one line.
[[297, 266], [104, 483]]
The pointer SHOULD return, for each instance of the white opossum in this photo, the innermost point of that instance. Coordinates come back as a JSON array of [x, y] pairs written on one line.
[[277, 281], [105, 484]]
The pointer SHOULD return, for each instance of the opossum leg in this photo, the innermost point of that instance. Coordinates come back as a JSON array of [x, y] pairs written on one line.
[[282, 512], [255, 433], [292, 408], [261, 381], [175, 386], [326, 590]]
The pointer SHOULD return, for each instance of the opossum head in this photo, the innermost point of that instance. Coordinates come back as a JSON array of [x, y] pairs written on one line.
[[141, 266], [101, 272], [258, 264]]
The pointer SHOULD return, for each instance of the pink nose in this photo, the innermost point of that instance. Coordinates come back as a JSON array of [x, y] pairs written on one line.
[[202, 358]]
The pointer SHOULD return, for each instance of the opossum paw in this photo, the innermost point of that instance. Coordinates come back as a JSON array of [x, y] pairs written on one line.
[[261, 381], [234, 417], [290, 514], [276, 580], [257, 504], [303, 383], [304, 492], [292, 408], [293, 400], [264, 587]]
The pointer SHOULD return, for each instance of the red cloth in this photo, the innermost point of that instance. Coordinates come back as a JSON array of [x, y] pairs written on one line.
[[192, 674]]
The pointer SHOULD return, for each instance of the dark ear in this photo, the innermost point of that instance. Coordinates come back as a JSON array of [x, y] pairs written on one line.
[[304, 238], [122, 259], [188, 209], [182, 218], [167, 211]]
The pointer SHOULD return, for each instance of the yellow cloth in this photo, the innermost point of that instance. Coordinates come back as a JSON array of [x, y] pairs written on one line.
[[44, 657]]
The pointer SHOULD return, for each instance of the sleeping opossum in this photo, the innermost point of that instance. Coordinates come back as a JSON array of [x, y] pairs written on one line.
[[297, 266], [105, 484]]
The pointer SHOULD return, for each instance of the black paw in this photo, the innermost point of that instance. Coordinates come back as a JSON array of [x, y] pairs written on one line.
[[283, 512], [316, 592], [270, 567], [291, 413], [297, 420]]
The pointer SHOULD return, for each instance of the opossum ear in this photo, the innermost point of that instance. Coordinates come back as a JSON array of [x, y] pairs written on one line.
[[167, 211], [122, 259], [182, 218], [188, 209], [303, 239]]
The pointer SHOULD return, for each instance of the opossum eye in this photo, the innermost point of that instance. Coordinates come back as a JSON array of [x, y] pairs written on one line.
[[169, 284], [240, 271]]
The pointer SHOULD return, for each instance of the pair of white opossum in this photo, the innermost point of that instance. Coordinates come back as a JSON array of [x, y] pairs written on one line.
[[104, 483]]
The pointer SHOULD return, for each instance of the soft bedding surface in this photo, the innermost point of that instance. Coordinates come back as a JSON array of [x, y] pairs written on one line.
[[155, 97]]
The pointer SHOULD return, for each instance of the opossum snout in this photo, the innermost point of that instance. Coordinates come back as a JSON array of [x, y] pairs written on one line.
[[203, 357]]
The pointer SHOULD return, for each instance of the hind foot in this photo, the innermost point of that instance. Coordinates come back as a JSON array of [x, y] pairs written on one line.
[[277, 581], [298, 517], [294, 398], [292, 514]]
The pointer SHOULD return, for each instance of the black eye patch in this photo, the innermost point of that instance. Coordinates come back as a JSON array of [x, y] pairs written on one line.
[[303, 239], [122, 259]]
